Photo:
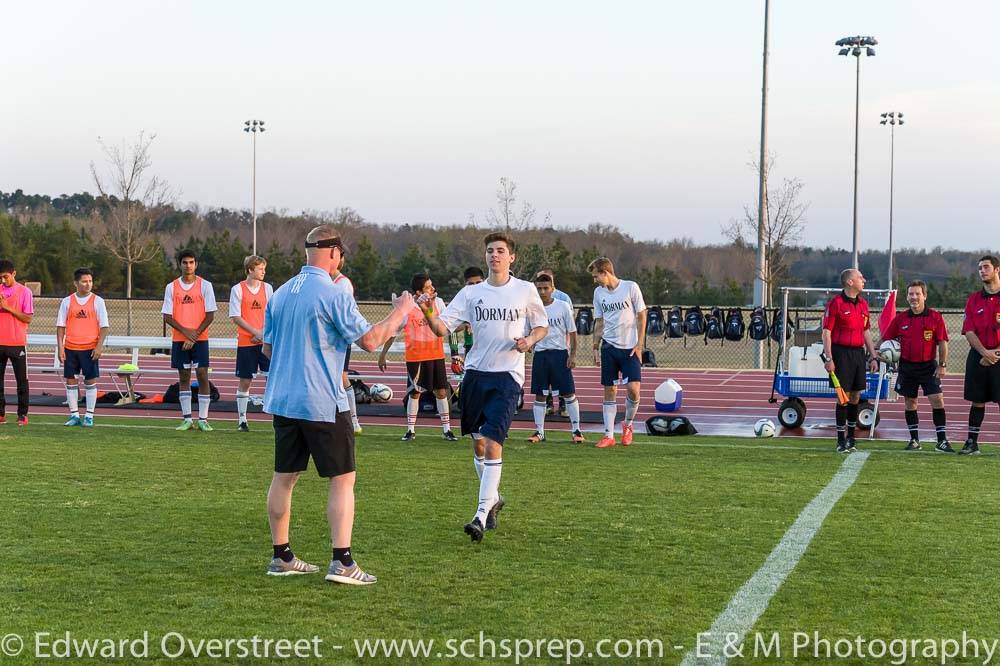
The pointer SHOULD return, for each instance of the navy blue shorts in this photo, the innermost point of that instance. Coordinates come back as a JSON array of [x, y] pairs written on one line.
[[615, 361], [549, 372], [196, 357], [249, 360], [488, 401], [79, 362]]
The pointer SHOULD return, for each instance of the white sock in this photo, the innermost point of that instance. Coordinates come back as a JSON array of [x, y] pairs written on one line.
[[610, 410], [352, 402], [444, 412], [185, 398], [538, 411], [204, 402], [242, 399], [90, 395], [73, 399], [489, 487], [412, 407], [630, 409], [477, 462], [573, 409]]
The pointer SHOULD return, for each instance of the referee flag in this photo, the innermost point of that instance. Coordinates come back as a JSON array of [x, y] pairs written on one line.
[[888, 313]]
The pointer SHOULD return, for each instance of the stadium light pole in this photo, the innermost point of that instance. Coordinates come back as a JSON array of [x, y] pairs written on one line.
[[856, 46], [254, 126], [891, 118], [760, 287]]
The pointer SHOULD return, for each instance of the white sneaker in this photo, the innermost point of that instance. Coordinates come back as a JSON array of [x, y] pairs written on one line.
[[352, 575]]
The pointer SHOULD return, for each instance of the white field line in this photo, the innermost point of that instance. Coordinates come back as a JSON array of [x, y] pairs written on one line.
[[751, 600]]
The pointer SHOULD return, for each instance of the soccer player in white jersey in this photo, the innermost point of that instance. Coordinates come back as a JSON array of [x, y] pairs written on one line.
[[81, 326], [500, 311], [619, 337], [553, 361], [247, 303], [343, 282]]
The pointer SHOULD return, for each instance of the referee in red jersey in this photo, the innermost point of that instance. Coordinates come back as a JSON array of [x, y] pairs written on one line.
[[982, 372], [846, 336], [922, 337]]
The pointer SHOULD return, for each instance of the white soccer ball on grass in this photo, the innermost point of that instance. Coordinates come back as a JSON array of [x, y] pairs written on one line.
[[764, 428]]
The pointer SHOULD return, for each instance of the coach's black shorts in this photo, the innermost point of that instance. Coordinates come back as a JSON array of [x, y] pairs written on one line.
[[250, 360], [850, 367], [549, 372], [427, 375], [331, 445], [196, 357], [488, 401], [80, 362], [982, 384], [914, 376], [615, 361]]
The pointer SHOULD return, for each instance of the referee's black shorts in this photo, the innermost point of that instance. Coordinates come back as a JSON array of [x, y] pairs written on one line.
[[982, 383], [331, 445], [850, 367], [914, 376]]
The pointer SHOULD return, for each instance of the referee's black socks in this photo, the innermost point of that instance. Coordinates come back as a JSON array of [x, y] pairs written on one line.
[[841, 412], [912, 424], [939, 424], [852, 419], [976, 416]]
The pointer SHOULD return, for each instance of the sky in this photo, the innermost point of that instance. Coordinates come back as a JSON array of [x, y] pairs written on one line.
[[642, 115]]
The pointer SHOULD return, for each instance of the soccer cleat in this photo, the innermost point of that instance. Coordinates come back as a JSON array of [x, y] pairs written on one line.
[[944, 447], [970, 449], [352, 575], [605, 443], [578, 437], [408, 437], [279, 567], [186, 424], [449, 436], [243, 426], [203, 426], [88, 421], [842, 447], [626, 435], [474, 529], [22, 420], [491, 517], [74, 420], [536, 438], [912, 445], [851, 445]]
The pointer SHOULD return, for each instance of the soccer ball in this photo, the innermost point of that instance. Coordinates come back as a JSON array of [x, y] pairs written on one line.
[[764, 428], [889, 351], [381, 393]]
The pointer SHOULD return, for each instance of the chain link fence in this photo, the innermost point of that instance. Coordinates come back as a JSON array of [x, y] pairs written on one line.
[[689, 352]]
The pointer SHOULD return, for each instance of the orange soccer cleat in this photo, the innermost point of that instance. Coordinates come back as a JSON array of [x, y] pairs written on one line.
[[626, 435], [605, 443]]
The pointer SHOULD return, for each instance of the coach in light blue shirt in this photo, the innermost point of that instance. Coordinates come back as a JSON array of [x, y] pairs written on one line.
[[308, 326]]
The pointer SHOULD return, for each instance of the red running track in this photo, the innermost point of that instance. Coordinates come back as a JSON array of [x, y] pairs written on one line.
[[718, 402]]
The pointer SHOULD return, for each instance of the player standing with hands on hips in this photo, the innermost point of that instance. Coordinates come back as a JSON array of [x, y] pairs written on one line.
[[846, 336]]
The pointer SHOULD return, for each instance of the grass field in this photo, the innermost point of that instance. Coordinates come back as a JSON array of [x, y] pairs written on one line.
[[123, 530]]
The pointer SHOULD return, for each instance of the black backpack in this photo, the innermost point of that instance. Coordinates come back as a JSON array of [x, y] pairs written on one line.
[[173, 393], [648, 358], [669, 426], [778, 326], [714, 326], [585, 321], [362, 392], [675, 322], [759, 330], [694, 321], [735, 326], [428, 401], [655, 324]]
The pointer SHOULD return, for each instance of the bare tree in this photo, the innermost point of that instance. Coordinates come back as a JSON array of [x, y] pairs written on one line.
[[505, 214], [786, 220], [132, 200]]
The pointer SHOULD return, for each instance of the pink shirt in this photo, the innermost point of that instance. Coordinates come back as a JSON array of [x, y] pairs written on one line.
[[14, 332]]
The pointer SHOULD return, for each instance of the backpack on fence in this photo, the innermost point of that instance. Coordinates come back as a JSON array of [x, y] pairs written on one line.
[[362, 392], [735, 326], [758, 330], [779, 327], [585, 321], [675, 323], [694, 322], [648, 358], [655, 325], [714, 326]]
